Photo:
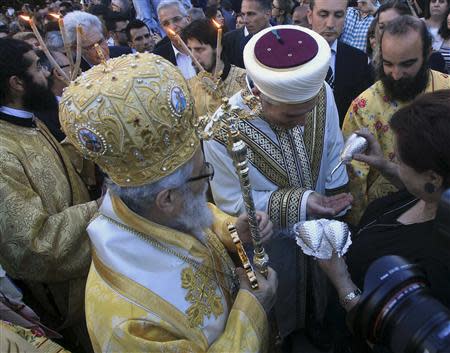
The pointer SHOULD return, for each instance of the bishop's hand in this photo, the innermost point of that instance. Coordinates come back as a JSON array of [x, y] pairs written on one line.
[[327, 206], [267, 287]]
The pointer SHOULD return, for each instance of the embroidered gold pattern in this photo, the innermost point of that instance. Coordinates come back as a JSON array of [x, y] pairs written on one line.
[[201, 293], [314, 134], [296, 160], [293, 165], [284, 206], [263, 153]]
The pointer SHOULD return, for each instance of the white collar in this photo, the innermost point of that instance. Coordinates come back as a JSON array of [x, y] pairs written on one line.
[[176, 51], [246, 32], [18, 113]]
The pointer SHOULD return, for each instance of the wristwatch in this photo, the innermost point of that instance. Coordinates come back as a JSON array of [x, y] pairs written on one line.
[[350, 296]]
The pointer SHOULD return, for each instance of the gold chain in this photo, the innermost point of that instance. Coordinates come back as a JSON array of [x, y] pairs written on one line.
[[195, 264]]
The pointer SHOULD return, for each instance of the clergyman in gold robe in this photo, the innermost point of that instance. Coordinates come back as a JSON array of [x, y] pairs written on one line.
[[161, 278], [44, 205], [220, 79]]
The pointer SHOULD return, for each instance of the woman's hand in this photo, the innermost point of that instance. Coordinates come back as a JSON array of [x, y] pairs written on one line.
[[336, 270], [374, 157]]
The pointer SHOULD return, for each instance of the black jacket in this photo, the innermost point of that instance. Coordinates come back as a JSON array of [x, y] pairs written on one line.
[[164, 48], [353, 75], [233, 47]]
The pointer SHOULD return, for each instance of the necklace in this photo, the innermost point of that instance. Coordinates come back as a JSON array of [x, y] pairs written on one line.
[[375, 222]]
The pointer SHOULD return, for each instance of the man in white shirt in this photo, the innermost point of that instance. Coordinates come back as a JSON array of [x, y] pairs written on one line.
[[173, 17], [294, 142]]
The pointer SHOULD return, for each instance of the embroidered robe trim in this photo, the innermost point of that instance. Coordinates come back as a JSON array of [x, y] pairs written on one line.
[[293, 164]]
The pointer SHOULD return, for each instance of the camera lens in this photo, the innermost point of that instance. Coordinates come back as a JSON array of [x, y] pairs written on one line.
[[397, 310]]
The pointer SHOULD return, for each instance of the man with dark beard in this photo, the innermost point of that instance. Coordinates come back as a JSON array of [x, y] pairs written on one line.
[[48, 113], [44, 205], [403, 74]]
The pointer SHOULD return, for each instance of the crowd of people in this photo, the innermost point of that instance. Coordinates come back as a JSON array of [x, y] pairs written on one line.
[[118, 191]]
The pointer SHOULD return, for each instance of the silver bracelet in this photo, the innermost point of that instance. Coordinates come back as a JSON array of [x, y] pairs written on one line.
[[351, 296]]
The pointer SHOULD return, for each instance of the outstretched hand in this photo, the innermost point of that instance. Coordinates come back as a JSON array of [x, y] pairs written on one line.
[[327, 206]]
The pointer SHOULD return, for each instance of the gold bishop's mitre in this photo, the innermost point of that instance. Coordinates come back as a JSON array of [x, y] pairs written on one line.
[[133, 116]]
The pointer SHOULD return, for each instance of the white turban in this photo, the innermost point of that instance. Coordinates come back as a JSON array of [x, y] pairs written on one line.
[[287, 63]]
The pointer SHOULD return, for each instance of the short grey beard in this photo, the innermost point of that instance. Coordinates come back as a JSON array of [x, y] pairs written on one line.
[[196, 216]]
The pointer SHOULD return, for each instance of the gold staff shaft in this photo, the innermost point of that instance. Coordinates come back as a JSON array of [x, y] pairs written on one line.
[[238, 151]]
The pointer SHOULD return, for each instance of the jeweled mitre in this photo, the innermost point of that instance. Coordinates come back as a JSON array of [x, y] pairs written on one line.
[[133, 116]]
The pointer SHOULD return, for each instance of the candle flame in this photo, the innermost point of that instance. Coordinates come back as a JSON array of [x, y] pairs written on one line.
[[217, 24], [171, 32], [55, 15], [26, 18]]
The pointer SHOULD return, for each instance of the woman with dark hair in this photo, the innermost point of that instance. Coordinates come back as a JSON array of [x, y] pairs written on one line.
[[402, 223], [281, 11], [215, 13], [444, 32], [434, 16]]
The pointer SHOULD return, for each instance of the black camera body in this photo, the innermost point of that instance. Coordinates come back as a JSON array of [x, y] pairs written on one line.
[[396, 309]]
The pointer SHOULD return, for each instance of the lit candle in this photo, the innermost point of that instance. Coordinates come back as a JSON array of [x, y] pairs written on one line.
[[218, 47], [100, 53], [174, 37], [78, 53], [44, 47], [65, 41]]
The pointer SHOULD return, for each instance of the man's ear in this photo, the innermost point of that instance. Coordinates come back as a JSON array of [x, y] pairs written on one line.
[[309, 16], [165, 201], [56, 74], [435, 179], [16, 84]]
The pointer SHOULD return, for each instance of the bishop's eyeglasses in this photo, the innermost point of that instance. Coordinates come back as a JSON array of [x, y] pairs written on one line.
[[209, 174]]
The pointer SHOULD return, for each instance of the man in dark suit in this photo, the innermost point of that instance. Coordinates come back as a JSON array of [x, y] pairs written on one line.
[[256, 15], [349, 73], [173, 17]]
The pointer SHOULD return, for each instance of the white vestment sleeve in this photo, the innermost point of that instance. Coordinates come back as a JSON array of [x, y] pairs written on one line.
[[334, 144]]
